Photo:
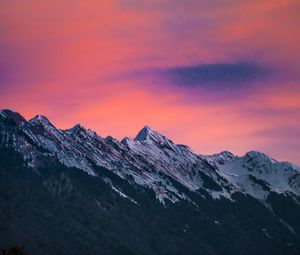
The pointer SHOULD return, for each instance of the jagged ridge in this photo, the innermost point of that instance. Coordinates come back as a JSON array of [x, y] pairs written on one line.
[[150, 159], [72, 191]]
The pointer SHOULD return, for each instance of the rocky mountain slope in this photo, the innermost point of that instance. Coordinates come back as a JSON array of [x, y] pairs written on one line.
[[199, 204]]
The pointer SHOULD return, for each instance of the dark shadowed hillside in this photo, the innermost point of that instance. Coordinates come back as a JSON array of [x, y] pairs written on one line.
[[166, 201]]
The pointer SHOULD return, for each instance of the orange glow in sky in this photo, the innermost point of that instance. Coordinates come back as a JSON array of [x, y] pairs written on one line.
[[213, 75]]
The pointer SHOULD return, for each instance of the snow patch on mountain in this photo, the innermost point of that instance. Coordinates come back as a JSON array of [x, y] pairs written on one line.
[[118, 190], [257, 175], [150, 160]]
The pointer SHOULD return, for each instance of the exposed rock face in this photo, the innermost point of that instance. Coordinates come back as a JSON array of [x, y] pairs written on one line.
[[150, 163]]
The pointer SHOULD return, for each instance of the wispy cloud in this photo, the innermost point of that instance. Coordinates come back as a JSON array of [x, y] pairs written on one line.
[[281, 133], [205, 73], [216, 75]]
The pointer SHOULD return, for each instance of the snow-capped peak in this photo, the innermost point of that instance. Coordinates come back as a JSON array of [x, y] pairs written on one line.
[[220, 158], [145, 134], [127, 141], [40, 119], [259, 156], [42, 124], [74, 128], [149, 156]]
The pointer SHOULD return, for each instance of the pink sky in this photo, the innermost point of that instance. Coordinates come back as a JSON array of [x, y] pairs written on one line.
[[115, 66]]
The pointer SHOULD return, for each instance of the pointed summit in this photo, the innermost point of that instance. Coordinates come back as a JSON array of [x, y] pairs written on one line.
[[151, 136], [40, 119], [145, 133], [127, 141], [74, 128], [148, 134], [80, 131]]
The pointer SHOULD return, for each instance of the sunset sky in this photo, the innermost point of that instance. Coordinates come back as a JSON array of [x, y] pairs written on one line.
[[215, 75]]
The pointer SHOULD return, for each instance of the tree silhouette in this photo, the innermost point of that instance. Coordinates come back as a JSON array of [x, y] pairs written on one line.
[[13, 250]]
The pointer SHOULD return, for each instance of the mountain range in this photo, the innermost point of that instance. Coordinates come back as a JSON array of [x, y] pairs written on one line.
[[74, 192]]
